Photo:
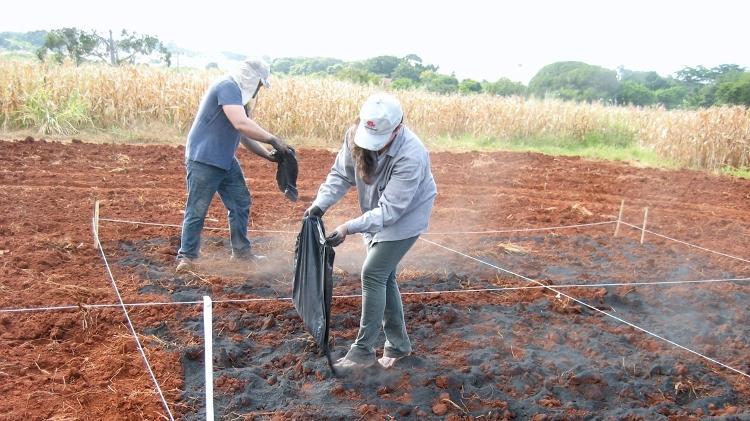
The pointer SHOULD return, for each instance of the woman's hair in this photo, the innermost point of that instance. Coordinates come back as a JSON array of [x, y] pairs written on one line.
[[365, 161]]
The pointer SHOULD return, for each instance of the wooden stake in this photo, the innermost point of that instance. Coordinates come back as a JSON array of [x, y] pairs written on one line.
[[208, 358], [619, 217], [645, 217], [95, 225]]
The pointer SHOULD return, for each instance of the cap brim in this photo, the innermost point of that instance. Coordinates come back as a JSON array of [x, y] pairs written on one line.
[[266, 83], [371, 142]]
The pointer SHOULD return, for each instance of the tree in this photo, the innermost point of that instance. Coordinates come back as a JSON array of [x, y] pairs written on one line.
[[504, 87], [314, 65], [402, 84], [436, 82], [651, 80], [358, 74], [469, 86], [672, 97], [735, 92], [68, 42], [635, 93], [405, 70], [703, 83], [575, 80], [89, 45], [382, 65]]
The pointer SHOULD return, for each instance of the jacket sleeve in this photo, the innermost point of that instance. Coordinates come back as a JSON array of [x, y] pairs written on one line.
[[396, 197], [340, 179]]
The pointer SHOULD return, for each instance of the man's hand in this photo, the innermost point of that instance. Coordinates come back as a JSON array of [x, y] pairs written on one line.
[[279, 144], [313, 211], [274, 156], [338, 236]]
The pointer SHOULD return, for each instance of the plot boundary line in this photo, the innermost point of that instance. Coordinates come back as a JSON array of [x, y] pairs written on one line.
[[643, 231], [82, 306], [156, 224], [130, 324], [559, 293]]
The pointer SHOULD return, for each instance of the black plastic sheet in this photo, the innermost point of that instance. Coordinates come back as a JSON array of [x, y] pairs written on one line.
[[313, 281], [286, 173]]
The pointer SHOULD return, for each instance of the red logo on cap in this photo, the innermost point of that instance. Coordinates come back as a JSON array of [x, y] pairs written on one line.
[[370, 124]]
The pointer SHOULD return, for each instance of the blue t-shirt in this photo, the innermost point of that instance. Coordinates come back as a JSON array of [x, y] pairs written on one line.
[[213, 140]]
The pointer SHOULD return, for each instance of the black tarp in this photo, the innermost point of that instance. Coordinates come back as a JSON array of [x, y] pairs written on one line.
[[313, 281], [286, 173]]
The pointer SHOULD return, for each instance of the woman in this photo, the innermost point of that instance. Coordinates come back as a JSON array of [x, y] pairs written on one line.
[[390, 167]]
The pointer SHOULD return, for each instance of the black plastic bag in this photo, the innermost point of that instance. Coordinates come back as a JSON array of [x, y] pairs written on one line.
[[313, 281], [286, 173]]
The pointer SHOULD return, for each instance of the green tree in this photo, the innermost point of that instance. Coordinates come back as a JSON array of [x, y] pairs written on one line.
[[635, 93], [651, 80], [358, 74], [469, 86], [504, 87], [382, 65], [406, 70], [435, 82], [575, 80], [673, 97], [736, 91], [82, 45], [315, 65], [68, 42], [402, 83]]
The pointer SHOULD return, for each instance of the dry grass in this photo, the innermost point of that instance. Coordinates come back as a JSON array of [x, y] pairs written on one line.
[[315, 112]]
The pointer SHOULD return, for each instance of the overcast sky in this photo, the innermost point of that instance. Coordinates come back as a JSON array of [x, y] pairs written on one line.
[[474, 39]]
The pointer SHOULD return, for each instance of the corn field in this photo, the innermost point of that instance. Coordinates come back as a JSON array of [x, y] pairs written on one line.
[[63, 98]]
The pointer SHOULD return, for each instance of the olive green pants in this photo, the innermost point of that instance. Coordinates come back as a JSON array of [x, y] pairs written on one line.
[[381, 303]]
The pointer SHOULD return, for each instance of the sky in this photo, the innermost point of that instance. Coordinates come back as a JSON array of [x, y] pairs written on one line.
[[473, 39]]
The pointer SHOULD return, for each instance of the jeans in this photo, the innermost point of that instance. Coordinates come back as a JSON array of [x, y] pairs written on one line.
[[202, 182], [381, 303]]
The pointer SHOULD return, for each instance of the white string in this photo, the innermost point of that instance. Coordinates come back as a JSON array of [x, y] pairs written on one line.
[[519, 229], [122, 221], [686, 243], [457, 291], [559, 293], [130, 325]]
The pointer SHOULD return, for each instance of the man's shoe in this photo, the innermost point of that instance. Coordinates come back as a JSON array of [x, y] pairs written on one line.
[[389, 362], [185, 265], [248, 258], [345, 365]]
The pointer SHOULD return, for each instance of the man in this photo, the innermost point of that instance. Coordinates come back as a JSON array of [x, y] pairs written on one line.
[[222, 123], [390, 167]]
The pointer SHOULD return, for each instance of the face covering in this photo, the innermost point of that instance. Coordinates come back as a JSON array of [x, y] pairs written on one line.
[[249, 75]]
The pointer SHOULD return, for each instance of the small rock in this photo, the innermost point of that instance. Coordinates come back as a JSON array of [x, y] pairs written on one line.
[[268, 323], [56, 333], [440, 409], [338, 390], [442, 382], [405, 411]]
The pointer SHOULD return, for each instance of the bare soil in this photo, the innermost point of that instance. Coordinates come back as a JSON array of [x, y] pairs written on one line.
[[514, 354]]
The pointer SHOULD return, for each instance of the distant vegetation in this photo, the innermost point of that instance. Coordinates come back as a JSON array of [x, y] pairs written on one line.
[[568, 107], [82, 46], [691, 87], [155, 103]]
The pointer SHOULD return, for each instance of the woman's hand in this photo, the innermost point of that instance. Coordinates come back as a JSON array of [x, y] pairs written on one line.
[[338, 236]]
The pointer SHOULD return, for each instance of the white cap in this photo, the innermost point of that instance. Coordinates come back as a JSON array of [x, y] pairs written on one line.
[[249, 73], [380, 115]]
